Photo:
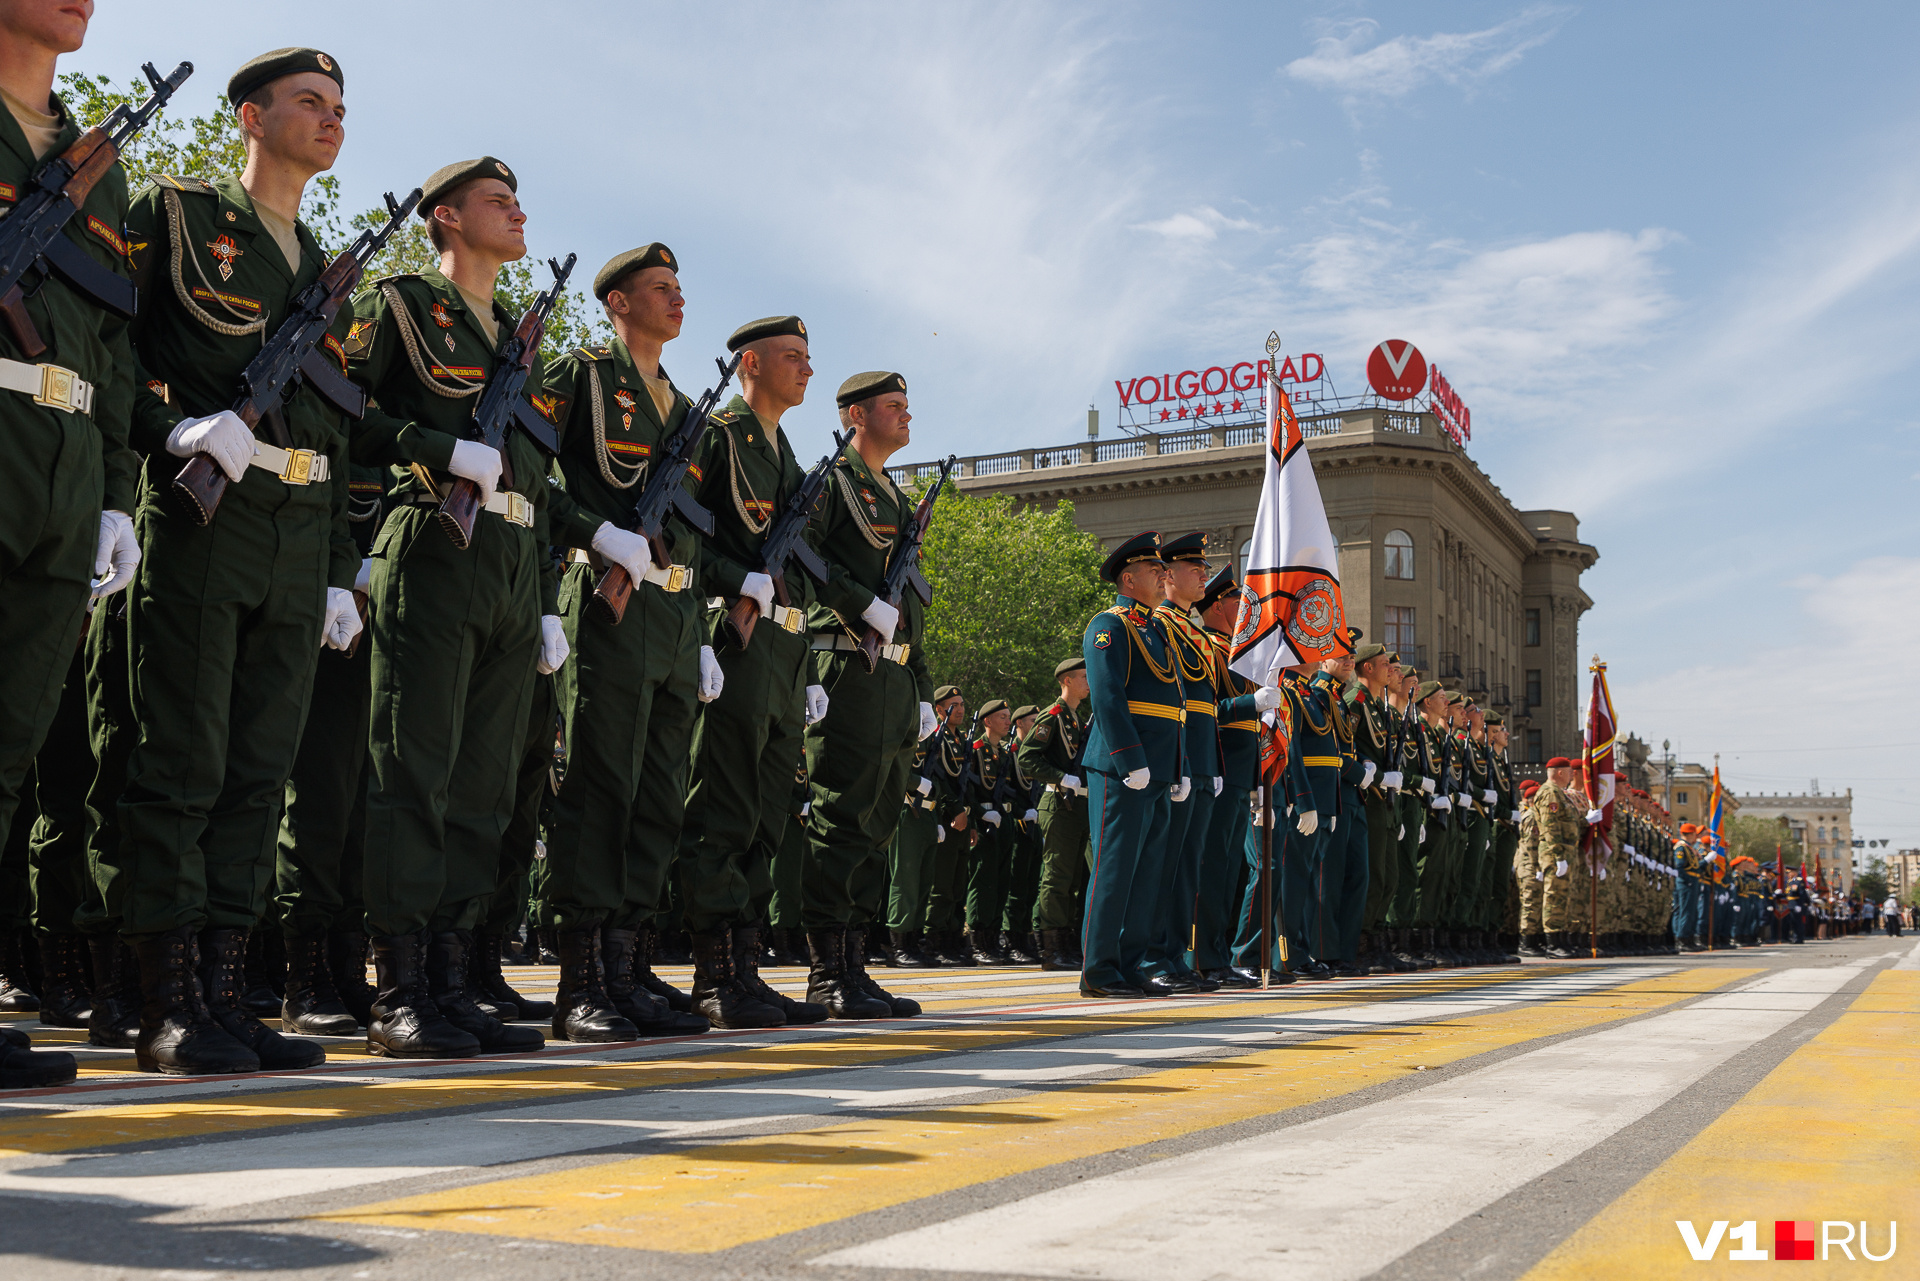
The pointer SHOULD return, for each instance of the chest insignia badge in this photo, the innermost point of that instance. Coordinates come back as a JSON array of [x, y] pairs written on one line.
[[225, 251]]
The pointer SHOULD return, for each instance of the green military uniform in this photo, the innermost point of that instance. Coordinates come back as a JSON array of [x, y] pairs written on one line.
[[916, 840], [64, 464], [1502, 893], [949, 764], [1050, 756], [1476, 874], [775, 886], [62, 893], [991, 764], [1372, 741], [1023, 868]]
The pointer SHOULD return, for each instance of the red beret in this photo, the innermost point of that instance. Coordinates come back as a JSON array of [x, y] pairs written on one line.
[[1559, 762], [1530, 786]]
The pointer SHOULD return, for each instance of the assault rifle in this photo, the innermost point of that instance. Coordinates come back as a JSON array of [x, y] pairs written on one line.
[[785, 542], [501, 407], [293, 357], [664, 493], [33, 244], [903, 571]]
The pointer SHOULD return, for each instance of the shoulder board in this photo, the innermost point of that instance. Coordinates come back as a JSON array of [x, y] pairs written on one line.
[[394, 279], [178, 182], [590, 353]]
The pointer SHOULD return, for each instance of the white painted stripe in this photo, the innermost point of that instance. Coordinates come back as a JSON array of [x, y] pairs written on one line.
[[1344, 1196], [1911, 961]]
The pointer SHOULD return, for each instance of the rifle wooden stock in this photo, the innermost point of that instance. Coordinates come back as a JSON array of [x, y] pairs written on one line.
[[615, 588], [201, 484], [740, 620], [26, 335], [869, 649], [458, 510]]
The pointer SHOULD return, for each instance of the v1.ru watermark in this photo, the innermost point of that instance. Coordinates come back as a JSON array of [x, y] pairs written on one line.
[[1792, 1239]]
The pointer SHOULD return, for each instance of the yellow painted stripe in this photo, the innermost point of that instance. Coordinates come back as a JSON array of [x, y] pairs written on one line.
[[722, 1195], [1829, 1134]]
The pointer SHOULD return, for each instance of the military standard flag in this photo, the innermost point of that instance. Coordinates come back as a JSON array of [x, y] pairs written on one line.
[[1597, 761], [1290, 609]]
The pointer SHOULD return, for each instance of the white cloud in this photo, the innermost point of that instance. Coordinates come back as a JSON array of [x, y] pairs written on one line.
[[1348, 63], [1204, 223]]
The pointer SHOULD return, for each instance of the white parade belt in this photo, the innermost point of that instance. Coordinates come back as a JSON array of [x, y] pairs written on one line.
[[673, 578], [49, 385]]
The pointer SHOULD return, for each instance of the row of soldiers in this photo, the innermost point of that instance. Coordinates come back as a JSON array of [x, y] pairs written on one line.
[[324, 692]]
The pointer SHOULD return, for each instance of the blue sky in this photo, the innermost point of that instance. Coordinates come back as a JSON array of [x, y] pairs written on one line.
[[1668, 254]]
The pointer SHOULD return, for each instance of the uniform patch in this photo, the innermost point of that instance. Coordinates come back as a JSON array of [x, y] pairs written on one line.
[[226, 251], [332, 344], [161, 390], [359, 337], [758, 506], [548, 407], [885, 531], [99, 228], [630, 448], [694, 471], [7, 191], [1103, 640], [232, 300], [440, 316], [456, 371], [624, 399]]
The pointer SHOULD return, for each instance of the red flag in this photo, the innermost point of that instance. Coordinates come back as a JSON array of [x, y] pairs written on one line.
[[1597, 760]]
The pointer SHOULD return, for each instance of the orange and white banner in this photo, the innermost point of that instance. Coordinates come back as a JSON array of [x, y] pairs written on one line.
[[1290, 609]]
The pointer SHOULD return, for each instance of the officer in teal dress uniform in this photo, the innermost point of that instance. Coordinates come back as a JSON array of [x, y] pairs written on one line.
[[1187, 568]]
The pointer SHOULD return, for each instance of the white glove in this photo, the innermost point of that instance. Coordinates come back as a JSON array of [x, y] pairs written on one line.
[[1426, 785], [1441, 803], [539, 849], [363, 581], [760, 587], [1489, 796], [1218, 784], [1266, 698], [341, 622], [1309, 822], [927, 722], [991, 818], [553, 641], [1516, 818], [1393, 780], [1071, 782], [1594, 818], [117, 556], [712, 679], [1560, 867], [1603, 871], [626, 549], [1180, 789], [882, 617], [1366, 775], [481, 464], [816, 704], [1137, 780], [1631, 852], [221, 437], [924, 786], [1466, 802], [939, 834], [1031, 816], [1401, 835]]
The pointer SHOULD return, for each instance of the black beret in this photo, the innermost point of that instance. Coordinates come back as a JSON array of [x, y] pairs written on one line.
[[946, 692], [623, 265], [444, 179], [769, 327], [861, 386], [1186, 547], [991, 706], [1075, 664], [1219, 585], [281, 62], [1142, 546]]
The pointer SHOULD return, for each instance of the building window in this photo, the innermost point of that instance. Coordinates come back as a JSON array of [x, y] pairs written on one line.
[[1533, 627], [1246, 550], [1679, 798], [1399, 554], [1536, 741], [1533, 687], [1400, 630]]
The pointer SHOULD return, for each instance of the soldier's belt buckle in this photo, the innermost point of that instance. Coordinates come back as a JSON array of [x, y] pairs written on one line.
[[520, 510], [299, 467], [58, 388], [898, 653], [793, 620], [677, 576]]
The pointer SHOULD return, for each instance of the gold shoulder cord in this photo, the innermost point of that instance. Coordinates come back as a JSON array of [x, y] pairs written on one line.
[[735, 480], [1164, 673], [177, 227], [1307, 716], [601, 453], [1197, 670], [1374, 733], [411, 339], [859, 517]]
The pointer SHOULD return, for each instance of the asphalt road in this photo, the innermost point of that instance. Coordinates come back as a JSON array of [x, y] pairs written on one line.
[[1557, 1120]]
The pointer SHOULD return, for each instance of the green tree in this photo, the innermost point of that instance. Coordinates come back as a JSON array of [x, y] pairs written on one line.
[[1756, 838], [1013, 590], [1871, 885]]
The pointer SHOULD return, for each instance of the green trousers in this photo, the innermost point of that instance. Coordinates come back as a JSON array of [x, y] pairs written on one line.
[[223, 630], [630, 696], [1433, 868], [745, 750], [858, 759], [774, 893], [1066, 857], [952, 867], [987, 875], [113, 731], [63, 891], [533, 796], [456, 637], [323, 827], [915, 842], [16, 878], [1503, 893], [50, 494], [1476, 849], [1383, 857], [1023, 877], [1408, 809]]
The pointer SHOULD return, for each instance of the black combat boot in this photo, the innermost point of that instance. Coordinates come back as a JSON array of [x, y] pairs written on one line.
[[24, 1068], [949, 948], [313, 1006], [407, 1024], [115, 1019], [1056, 952], [746, 965], [719, 995], [347, 959], [903, 1007], [1532, 945], [646, 947], [1019, 949], [263, 973], [64, 999], [178, 1034], [583, 1010], [906, 954], [984, 951], [491, 986], [830, 985], [16, 987], [647, 1012], [223, 960], [447, 982], [782, 950], [1558, 946]]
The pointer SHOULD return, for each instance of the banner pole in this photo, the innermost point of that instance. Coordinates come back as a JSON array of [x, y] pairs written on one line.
[[1266, 886]]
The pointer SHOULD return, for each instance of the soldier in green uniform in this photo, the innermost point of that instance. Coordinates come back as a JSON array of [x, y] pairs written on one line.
[[1192, 811], [224, 619], [457, 632], [1476, 801], [748, 743], [1050, 755], [1409, 817], [633, 690], [917, 837], [1373, 726], [1017, 937], [1506, 837], [990, 768], [787, 941], [859, 755], [950, 763]]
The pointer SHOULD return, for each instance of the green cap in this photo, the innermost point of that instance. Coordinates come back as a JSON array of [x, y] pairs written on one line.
[[1367, 651], [1075, 664], [766, 327], [946, 692], [623, 265], [1426, 690], [1456, 697], [443, 180], [1025, 710], [861, 386], [281, 62], [991, 706], [1495, 718]]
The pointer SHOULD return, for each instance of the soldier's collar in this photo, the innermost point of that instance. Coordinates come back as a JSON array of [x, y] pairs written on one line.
[[16, 137]]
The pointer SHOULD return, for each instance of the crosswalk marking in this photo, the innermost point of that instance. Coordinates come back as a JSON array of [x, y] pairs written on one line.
[[1778, 1154], [725, 1194]]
